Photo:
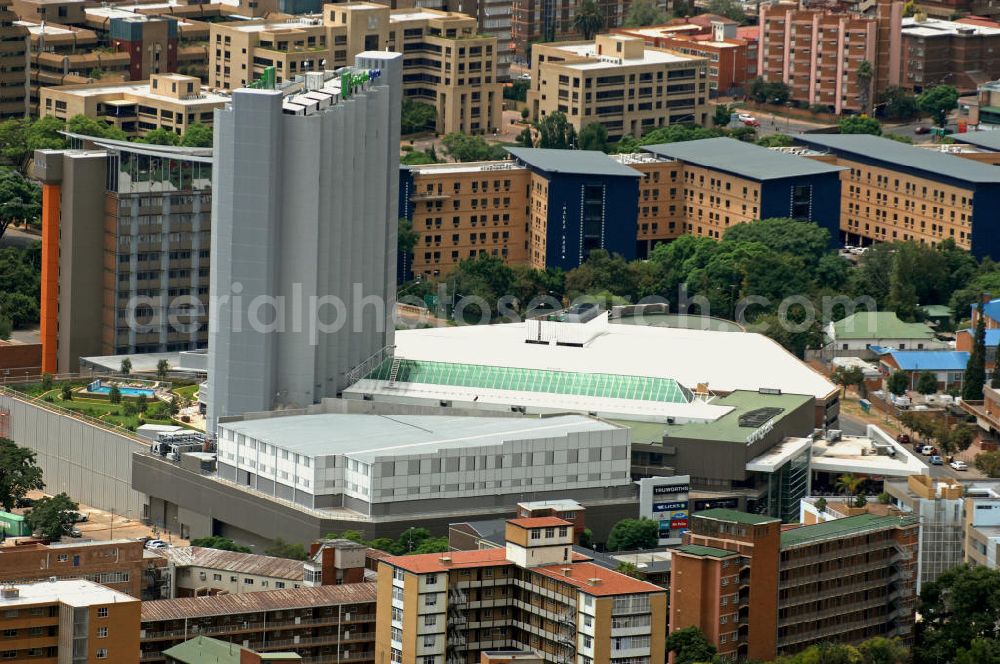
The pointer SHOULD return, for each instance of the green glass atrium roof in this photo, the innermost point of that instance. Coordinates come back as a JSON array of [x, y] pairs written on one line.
[[608, 386]]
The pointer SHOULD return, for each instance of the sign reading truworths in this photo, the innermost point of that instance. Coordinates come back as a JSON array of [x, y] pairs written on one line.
[[665, 500]]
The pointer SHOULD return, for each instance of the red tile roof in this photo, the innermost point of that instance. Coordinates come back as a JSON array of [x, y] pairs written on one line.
[[751, 32], [426, 563], [540, 522], [610, 582]]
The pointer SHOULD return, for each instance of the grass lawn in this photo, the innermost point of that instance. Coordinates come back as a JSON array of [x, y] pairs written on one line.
[[186, 392], [100, 409]]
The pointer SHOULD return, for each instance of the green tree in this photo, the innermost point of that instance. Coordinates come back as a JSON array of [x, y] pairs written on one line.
[[406, 237], [864, 73], [526, 139], [486, 277], [115, 395], [632, 534], [644, 12], [52, 518], [927, 383], [555, 131], [980, 651], [20, 199], [160, 136], [960, 607], [588, 19], [689, 646], [898, 104], [731, 9], [847, 376], [471, 148], [975, 371], [775, 141], [516, 90], [19, 138], [18, 473], [629, 569], [860, 124], [81, 124], [593, 137], [849, 484], [899, 138], [808, 241], [432, 545], [417, 117], [220, 543], [66, 392], [20, 309], [820, 504], [897, 383], [416, 158], [162, 369], [601, 272], [768, 92], [6, 327], [282, 549], [198, 136], [988, 463], [937, 102], [46, 381], [722, 115], [126, 366]]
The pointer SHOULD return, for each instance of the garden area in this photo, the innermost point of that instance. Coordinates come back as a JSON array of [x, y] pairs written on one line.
[[113, 408]]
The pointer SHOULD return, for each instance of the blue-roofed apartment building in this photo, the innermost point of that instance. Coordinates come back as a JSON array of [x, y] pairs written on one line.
[[965, 338], [897, 192], [948, 366]]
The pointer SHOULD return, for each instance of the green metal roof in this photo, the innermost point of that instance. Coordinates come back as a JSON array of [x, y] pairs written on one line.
[[736, 516], [711, 551], [850, 525], [575, 162], [727, 428], [608, 386], [936, 310], [205, 650], [900, 155], [879, 325], [741, 158]]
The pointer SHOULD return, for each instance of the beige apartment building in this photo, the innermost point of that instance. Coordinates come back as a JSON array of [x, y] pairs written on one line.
[[447, 63], [13, 64], [169, 101], [617, 81]]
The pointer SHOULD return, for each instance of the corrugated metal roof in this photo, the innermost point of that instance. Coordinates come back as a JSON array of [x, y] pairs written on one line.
[[268, 600], [231, 561], [930, 360], [741, 158], [574, 162], [988, 140], [879, 325], [896, 154], [845, 527]]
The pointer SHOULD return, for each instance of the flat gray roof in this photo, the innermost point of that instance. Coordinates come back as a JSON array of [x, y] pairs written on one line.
[[988, 140], [366, 437], [574, 162], [931, 162], [740, 158]]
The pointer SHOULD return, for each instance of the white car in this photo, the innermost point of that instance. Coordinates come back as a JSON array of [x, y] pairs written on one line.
[[746, 117], [959, 465], [157, 544]]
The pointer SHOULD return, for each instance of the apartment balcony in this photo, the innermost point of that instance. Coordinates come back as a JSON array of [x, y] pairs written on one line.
[[850, 607], [211, 630], [823, 593], [833, 574], [428, 196], [841, 554], [820, 634]]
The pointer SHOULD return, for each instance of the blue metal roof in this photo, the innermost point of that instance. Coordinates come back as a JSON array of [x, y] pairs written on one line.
[[930, 360], [992, 336], [991, 309]]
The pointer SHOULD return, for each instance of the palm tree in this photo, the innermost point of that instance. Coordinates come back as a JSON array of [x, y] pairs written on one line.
[[589, 19], [849, 485], [865, 75]]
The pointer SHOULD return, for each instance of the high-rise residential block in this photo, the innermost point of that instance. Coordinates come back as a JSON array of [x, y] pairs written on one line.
[[125, 242], [68, 621], [758, 591], [304, 241], [14, 45], [618, 82], [448, 63], [536, 593]]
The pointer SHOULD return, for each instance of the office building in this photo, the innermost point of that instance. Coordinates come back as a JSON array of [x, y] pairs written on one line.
[[448, 64], [982, 526], [119, 564], [167, 101], [202, 650], [526, 210], [618, 82], [731, 51], [817, 52], [68, 621], [125, 250], [959, 53], [14, 46], [294, 180], [534, 21], [326, 624], [533, 594], [892, 191], [494, 18], [758, 591]]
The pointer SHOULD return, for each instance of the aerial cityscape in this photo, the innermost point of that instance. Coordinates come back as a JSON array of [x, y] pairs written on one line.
[[500, 331]]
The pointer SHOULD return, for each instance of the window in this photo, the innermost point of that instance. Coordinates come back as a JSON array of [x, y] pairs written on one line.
[[536, 534], [430, 621], [102, 632], [102, 653], [588, 641], [397, 614], [396, 634], [432, 579], [217, 577], [395, 656], [430, 600], [248, 582], [397, 574], [102, 612], [429, 659], [429, 640], [62, 557]]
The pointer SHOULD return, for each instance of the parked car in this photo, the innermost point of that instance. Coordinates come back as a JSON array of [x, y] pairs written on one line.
[[921, 129], [156, 544], [903, 439], [78, 517], [936, 461], [958, 464], [24, 502], [75, 532], [927, 450]]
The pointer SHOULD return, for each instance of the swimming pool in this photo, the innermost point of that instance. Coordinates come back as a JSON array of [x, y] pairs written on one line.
[[125, 391]]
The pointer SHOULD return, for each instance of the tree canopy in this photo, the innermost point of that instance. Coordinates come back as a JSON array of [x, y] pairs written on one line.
[[588, 19], [938, 102], [593, 137], [462, 147], [960, 608], [860, 124], [20, 199], [768, 92], [417, 117], [555, 131], [731, 9], [644, 12], [220, 543], [18, 473], [632, 534], [52, 517], [197, 135]]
